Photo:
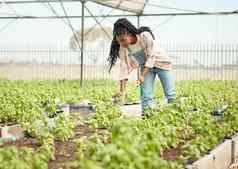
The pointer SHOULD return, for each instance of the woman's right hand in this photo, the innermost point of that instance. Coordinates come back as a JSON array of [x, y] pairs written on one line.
[[119, 97], [117, 94]]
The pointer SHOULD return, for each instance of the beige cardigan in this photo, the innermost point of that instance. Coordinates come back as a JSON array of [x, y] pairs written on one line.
[[155, 56]]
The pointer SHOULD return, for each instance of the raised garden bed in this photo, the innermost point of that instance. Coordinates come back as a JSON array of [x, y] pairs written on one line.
[[224, 156], [11, 132]]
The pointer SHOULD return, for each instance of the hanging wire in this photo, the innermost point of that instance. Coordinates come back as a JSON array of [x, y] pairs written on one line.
[[108, 36], [50, 7], [163, 23], [12, 21], [70, 24], [95, 25], [1, 4], [110, 12], [8, 24], [10, 7]]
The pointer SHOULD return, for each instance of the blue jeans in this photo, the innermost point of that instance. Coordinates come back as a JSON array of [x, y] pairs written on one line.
[[147, 93]]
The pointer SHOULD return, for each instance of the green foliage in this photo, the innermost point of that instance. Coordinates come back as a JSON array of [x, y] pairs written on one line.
[[129, 143]]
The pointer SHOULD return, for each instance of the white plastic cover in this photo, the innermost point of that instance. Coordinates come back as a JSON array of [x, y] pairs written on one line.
[[136, 6]]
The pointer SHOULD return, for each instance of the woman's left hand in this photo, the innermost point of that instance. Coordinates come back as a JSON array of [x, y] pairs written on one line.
[[142, 75], [141, 79]]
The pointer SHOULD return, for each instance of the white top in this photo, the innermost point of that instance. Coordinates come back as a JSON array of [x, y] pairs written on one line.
[[155, 55], [135, 47]]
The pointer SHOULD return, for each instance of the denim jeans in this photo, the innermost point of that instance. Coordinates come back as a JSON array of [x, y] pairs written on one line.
[[147, 91]]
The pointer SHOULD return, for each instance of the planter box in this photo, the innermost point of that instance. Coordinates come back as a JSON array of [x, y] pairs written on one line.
[[66, 109], [222, 155], [84, 104], [133, 110], [219, 158], [81, 110], [235, 149], [205, 162]]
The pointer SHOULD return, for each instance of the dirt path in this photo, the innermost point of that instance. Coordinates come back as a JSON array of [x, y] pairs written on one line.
[[65, 151]]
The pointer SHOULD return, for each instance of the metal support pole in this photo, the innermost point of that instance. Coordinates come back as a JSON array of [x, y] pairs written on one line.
[[138, 21], [138, 25], [82, 44]]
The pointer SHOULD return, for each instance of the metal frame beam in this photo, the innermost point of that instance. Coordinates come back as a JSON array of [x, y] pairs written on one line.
[[117, 16], [82, 43], [38, 2]]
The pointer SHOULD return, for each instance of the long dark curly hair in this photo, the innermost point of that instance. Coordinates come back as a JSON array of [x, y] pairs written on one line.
[[121, 27]]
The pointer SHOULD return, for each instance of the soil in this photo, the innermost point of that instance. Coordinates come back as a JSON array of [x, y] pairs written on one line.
[[64, 151]]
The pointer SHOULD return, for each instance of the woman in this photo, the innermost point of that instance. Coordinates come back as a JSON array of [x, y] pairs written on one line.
[[136, 47]]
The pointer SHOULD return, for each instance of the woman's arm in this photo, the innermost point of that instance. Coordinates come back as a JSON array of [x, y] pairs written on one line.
[[142, 75], [148, 42], [123, 85], [121, 93], [125, 67], [145, 71], [124, 71]]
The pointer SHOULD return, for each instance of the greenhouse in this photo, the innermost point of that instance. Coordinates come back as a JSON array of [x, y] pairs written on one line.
[[118, 84]]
